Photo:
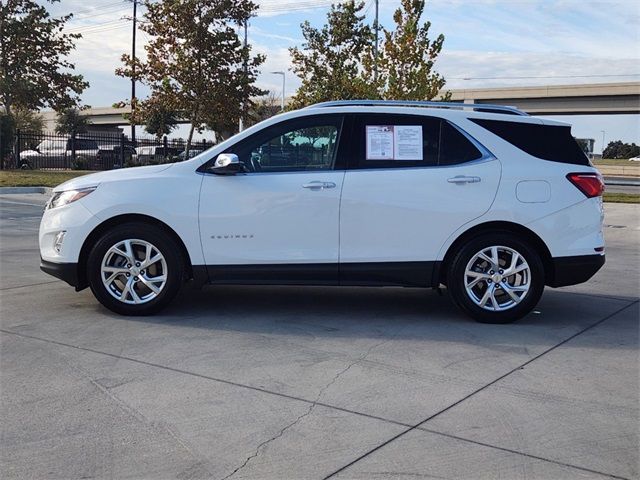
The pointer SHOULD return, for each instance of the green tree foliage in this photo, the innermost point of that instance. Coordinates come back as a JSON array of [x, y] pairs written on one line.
[[406, 61], [159, 120], [337, 62], [28, 120], [330, 61], [71, 121], [34, 71], [196, 65], [7, 135], [618, 149]]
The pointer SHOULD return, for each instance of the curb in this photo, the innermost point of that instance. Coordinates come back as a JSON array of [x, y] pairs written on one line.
[[17, 190]]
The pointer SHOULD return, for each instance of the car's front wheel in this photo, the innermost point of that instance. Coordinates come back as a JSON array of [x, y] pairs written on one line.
[[496, 278], [135, 269]]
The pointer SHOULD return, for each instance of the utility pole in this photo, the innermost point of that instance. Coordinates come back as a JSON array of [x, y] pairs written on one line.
[[133, 77], [241, 123], [282, 101], [602, 154], [375, 50]]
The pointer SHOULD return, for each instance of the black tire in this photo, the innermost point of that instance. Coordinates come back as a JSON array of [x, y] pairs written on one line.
[[456, 278], [162, 242]]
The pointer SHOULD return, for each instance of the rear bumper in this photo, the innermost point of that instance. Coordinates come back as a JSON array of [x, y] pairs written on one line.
[[64, 271], [574, 270]]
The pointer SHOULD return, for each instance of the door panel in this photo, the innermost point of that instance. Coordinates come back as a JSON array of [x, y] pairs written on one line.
[[282, 215], [406, 214], [267, 218]]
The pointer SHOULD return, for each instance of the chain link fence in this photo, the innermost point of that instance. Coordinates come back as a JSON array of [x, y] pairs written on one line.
[[94, 151]]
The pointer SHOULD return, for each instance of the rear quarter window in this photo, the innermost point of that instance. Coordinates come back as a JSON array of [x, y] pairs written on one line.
[[547, 142]]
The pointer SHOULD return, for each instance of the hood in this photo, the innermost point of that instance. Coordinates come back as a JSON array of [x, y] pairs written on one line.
[[94, 179]]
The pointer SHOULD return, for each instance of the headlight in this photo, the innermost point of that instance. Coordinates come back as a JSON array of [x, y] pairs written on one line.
[[69, 196]]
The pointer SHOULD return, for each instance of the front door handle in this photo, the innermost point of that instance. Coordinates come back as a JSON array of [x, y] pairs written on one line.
[[316, 185], [460, 179]]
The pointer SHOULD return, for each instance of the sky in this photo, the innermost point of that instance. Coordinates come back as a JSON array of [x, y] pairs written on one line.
[[488, 43]]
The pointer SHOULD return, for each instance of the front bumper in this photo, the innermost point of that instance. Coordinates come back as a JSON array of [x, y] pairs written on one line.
[[574, 270], [64, 271]]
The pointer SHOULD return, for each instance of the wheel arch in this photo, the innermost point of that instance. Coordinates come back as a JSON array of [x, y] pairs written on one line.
[[103, 227], [494, 227]]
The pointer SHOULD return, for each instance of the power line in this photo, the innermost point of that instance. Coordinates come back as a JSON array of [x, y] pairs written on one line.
[[119, 8], [104, 29], [89, 28], [101, 7]]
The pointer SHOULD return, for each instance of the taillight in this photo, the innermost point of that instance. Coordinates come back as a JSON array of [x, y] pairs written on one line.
[[591, 184]]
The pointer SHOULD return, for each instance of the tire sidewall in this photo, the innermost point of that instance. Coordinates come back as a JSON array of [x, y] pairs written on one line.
[[456, 277], [159, 239]]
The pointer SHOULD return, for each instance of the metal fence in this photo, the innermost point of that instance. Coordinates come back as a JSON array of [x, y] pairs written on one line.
[[94, 151]]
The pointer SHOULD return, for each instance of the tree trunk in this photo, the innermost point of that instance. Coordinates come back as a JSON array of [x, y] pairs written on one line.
[[188, 147]]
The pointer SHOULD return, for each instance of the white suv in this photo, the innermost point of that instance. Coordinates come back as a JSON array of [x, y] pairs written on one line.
[[484, 199]]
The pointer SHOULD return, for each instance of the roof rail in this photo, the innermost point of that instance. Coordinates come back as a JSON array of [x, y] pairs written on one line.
[[481, 107]]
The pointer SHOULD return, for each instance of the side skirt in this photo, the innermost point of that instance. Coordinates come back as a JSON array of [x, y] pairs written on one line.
[[406, 274]]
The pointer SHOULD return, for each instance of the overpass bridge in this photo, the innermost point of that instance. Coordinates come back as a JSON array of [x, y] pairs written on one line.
[[584, 99]]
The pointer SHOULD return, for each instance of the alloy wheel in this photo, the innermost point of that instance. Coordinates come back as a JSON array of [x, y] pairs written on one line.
[[134, 271], [497, 278]]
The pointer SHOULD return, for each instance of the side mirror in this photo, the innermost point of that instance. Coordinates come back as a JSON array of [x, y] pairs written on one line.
[[226, 164]]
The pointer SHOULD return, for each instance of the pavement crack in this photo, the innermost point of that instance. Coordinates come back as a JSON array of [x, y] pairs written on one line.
[[266, 442], [311, 407]]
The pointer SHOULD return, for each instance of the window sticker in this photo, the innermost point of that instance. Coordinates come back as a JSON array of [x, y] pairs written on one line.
[[407, 141], [394, 142], [379, 142]]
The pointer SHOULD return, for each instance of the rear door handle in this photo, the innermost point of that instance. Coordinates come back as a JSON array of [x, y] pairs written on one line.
[[316, 185], [460, 179]]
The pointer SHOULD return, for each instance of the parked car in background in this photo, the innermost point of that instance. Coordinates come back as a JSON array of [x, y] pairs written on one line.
[[192, 153], [484, 199], [60, 153], [112, 156], [634, 159], [153, 154]]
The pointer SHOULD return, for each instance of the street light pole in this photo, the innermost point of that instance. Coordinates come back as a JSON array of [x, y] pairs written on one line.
[[133, 70], [602, 154], [282, 101]]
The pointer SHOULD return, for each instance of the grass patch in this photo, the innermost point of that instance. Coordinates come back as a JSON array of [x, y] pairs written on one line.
[[616, 162], [37, 178], [621, 197]]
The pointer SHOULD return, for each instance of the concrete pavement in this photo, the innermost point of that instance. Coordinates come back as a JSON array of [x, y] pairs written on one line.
[[285, 382]]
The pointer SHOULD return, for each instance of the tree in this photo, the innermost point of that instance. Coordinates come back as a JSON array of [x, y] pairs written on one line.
[[71, 121], [330, 61], [338, 62], [159, 120], [264, 107], [618, 149], [7, 134], [34, 71], [407, 57], [28, 120], [196, 65]]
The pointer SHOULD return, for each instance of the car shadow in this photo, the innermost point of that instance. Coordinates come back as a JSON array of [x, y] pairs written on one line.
[[354, 312]]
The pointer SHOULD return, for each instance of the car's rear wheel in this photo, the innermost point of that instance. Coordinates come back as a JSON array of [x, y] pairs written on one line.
[[496, 278], [135, 269]]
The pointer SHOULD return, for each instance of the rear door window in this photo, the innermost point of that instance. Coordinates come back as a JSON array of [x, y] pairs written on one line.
[[455, 148], [407, 141]]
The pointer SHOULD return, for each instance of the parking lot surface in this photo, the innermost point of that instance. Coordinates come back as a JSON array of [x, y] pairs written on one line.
[[291, 383]]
